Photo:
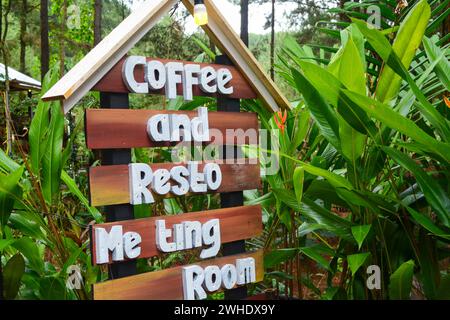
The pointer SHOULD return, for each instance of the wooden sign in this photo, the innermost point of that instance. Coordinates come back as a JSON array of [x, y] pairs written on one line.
[[122, 128], [110, 185], [119, 184], [154, 74], [186, 282], [237, 223]]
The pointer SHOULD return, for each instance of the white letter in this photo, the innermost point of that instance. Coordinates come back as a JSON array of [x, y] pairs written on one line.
[[178, 236], [213, 278], [178, 174], [140, 177], [193, 277], [192, 234], [213, 176], [211, 236], [178, 121], [208, 75], [223, 77], [106, 242], [229, 276], [151, 68], [173, 78], [374, 280], [128, 74], [131, 241], [200, 126], [161, 178], [246, 272], [195, 178], [162, 234], [189, 80], [158, 128]]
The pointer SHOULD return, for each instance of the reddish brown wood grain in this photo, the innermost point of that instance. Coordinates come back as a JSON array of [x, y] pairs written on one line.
[[123, 129], [109, 185], [163, 285], [237, 223], [113, 82]]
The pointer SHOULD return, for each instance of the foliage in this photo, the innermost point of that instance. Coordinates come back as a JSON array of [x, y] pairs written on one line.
[[382, 139]]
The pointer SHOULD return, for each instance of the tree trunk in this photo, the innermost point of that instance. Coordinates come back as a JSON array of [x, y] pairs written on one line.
[[272, 43], [23, 33], [244, 21], [45, 49], [4, 49], [62, 44], [97, 22]]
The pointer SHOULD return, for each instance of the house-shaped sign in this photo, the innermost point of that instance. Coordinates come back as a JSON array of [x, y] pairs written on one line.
[[119, 184]]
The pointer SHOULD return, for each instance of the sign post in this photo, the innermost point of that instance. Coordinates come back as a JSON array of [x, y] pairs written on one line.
[[118, 184], [231, 199], [116, 157]]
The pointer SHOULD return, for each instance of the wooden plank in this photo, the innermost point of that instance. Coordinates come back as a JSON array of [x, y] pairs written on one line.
[[121, 129], [166, 284], [109, 185], [237, 223], [229, 43], [113, 81]]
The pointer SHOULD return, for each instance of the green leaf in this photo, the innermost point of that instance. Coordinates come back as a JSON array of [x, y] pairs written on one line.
[[442, 68], [68, 181], [386, 52], [355, 261], [427, 223], [394, 120], [360, 233], [401, 281], [321, 111], [12, 274], [52, 288], [204, 47], [328, 220], [335, 180], [349, 69], [53, 156], [7, 163], [432, 191], [5, 243], [40, 124], [301, 131], [315, 255], [408, 39], [10, 191], [275, 257], [298, 181], [29, 249]]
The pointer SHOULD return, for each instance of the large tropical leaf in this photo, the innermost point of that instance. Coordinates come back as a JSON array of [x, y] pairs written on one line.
[[10, 191], [401, 281], [12, 274], [321, 111], [435, 195], [442, 68], [53, 157], [384, 49], [392, 119], [40, 124], [408, 39]]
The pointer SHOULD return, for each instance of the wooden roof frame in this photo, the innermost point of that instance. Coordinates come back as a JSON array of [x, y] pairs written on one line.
[[100, 60]]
